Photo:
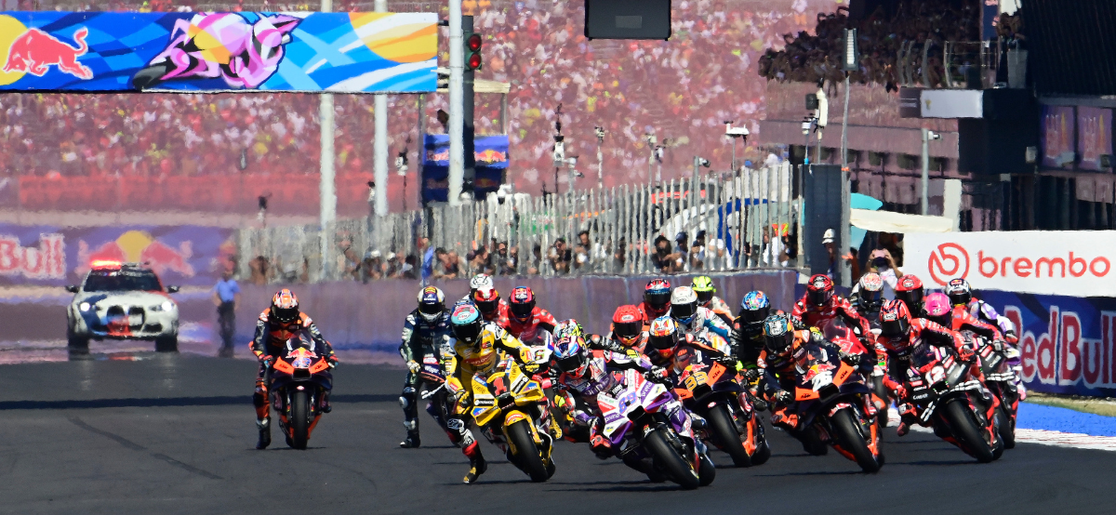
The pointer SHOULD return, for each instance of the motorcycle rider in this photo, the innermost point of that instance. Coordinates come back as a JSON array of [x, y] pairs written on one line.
[[656, 301], [961, 295], [820, 304], [747, 340], [491, 306], [628, 328], [692, 318], [707, 298], [477, 282], [867, 297], [899, 333], [478, 347], [524, 318], [425, 330], [937, 309], [910, 291], [278, 323]]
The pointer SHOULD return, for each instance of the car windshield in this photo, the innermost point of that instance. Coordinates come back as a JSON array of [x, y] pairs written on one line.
[[122, 280]]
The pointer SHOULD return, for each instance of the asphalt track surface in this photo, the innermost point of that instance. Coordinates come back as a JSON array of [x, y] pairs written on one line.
[[167, 434]]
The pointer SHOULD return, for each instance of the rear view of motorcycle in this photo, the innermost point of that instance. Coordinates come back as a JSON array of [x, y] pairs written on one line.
[[300, 382], [1000, 380]]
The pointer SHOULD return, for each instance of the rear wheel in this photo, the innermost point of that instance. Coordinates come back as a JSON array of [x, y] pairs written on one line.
[[725, 435], [300, 419], [966, 431], [849, 435], [707, 471], [526, 452], [667, 457], [166, 343]]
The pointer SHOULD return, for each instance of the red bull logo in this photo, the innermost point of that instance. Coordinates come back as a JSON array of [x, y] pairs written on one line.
[[36, 51], [491, 156], [139, 247], [47, 261]]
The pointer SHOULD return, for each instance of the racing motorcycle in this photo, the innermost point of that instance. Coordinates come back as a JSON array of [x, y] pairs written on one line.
[[511, 409], [833, 405], [1000, 380], [300, 379], [835, 330], [636, 422], [952, 401], [434, 378], [711, 390]]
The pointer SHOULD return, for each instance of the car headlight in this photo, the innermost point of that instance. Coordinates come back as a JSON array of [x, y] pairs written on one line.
[[165, 306], [84, 306]]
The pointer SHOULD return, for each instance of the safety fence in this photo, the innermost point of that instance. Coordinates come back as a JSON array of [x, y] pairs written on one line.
[[730, 222]]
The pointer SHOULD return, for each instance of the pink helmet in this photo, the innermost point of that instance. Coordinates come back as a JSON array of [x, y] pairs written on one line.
[[938, 309]]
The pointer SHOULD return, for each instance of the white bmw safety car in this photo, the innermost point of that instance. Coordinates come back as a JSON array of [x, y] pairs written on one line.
[[122, 301]]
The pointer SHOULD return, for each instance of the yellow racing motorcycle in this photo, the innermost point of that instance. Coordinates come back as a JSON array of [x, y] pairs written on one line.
[[511, 409]]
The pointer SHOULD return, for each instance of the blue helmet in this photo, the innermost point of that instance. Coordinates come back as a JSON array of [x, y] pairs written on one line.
[[755, 307], [466, 322], [571, 353]]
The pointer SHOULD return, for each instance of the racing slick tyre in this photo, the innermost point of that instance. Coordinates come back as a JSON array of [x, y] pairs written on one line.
[[725, 435], [166, 344], [966, 431], [851, 438], [881, 391], [1007, 427], [707, 471], [526, 452], [667, 457], [300, 419], [77, 343]]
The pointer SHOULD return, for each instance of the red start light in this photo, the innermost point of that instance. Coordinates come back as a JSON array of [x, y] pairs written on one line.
[[473, 43], [474, 61]]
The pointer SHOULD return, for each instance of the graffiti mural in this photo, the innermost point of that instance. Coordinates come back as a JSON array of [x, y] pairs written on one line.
[[199, 52]]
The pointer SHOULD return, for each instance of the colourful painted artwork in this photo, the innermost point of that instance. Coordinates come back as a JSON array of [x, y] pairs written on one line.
[[198, 52]]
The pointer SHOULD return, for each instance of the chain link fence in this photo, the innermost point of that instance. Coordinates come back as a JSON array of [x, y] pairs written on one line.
[[731, 222]]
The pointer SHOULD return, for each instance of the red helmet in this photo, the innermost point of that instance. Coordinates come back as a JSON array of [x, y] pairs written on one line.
[[627, 324], [487, 300], [657, 298], [895, 319], [910, 291], [522, 303], [284, 307], [819, 290]]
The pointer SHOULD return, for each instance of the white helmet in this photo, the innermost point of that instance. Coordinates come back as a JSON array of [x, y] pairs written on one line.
[[480, 281], [683, 304]]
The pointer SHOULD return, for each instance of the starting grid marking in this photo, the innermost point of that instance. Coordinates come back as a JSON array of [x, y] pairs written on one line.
[[1038, 436]]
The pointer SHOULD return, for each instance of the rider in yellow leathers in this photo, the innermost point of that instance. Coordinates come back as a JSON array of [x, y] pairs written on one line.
[[477, 347]]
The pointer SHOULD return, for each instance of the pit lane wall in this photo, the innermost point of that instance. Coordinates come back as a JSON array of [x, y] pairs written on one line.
[[1055, 286], [356, 315]]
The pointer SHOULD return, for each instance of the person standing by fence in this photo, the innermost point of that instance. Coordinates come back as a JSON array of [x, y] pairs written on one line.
[[225, 295]]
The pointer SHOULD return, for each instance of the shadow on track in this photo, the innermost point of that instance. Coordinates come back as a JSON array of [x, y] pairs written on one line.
[[167, 402]]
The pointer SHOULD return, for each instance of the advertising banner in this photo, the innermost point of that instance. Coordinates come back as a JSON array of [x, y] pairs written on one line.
[[491, 153], [1094, 136], [1073, 263], [1067, 345], [1057, 136], [54, 256], [210, 52]]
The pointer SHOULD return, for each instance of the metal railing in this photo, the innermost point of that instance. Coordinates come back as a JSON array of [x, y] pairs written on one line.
[[950, 64], [732, 222]]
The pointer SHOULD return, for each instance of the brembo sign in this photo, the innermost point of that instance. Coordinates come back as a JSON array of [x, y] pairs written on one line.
[[1072, 263]]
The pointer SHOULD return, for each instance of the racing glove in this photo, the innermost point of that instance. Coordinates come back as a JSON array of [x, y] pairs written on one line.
[[657, 374], [332, 360], [783, 396], [850, 358], [413, 366], [267, 360], [531, 367], [966, 354]]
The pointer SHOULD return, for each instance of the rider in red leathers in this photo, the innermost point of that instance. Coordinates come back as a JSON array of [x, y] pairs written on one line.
[[525, 319], [277, 324], [821, 304], [492, 308], [656, 301]]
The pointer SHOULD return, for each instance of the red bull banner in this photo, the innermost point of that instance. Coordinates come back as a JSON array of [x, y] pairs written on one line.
[[45, 255], [1067, 345], [1073, 263], [491, 154], [201, 51]]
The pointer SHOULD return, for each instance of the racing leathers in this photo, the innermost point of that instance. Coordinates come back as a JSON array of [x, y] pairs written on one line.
[[720, 308], [838, 307], [577, 394], [271, 341], [984, 312], [422, 340], [528, 331]]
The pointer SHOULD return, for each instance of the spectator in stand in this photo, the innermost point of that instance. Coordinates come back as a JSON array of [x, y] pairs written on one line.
[[408, 269], [682, 249], [620, 257], [560, 257], [480, 261], [370, 267], [534, 266], [663, 259], [260, 268], [506, 264]]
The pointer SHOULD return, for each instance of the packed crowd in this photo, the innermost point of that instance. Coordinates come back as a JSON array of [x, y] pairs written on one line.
[[629, 89], [880, 36]]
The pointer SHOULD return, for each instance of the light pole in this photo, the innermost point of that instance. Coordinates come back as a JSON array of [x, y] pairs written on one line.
[[600, 157], [732, 133], [927, 135], [571, 162], [651, 140]]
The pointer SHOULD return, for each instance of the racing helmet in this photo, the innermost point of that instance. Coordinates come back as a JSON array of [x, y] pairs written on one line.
[[683, 304], [895, 319], [487, 300], [522, 303], [480, 281], [755, 307], [627, 325], [657, 298], [431, 303], [663, 338], [466, 324], [937, 309], [819, 290], [284, 307], [703, 287], [910, 291], [571, 354], [778, 334], [569, 327], [959, 291], [871, 291]]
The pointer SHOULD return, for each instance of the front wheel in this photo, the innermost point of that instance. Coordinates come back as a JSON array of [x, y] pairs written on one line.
[[851, 438], [725, 435], [526, 452], [166, 343], [667, 457], [966, 431], [300, 419], [1007, 427]]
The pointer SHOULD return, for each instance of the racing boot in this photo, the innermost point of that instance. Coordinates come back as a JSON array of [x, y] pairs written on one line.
[[412, 441], [265, 433], [477, 466], [908, 416]]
